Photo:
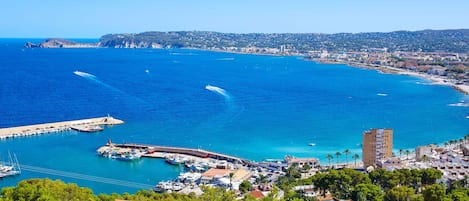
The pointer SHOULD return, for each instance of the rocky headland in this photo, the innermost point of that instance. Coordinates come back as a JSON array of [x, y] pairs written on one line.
[[60, 43]]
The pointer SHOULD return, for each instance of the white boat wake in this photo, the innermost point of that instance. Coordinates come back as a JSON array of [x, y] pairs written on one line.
[[381, 94], [93, 78], [218, 90], [232, 111], [459, 104], [83, 74]]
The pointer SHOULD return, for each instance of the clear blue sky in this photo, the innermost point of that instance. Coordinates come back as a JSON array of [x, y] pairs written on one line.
[[93, 18]]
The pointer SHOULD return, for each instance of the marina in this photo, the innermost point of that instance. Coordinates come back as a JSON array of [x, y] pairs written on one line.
[[10, 167], [82, 125], [155, 151], [201, 167]]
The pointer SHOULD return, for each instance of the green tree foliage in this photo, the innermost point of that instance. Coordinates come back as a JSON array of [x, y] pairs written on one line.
[[380, 184], [368, 192], [430, 175], [459, 195], [46, 189], [402, 193], [245, 186], [435, 192]]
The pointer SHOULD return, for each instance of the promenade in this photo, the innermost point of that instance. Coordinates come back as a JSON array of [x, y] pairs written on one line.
[[39, 129]]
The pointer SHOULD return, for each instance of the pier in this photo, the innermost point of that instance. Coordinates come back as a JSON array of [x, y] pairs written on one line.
[[151, 150], [83, 125]]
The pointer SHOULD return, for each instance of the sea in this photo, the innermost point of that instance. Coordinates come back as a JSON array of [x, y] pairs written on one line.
[[251, 106]]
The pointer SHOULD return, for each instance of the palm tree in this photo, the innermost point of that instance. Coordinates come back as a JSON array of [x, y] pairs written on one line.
[[231, 177], [355, 157], [407, 152], [337, 155], [446, 144], [400, 153], [425, 158], [329, 157], [261, 179], [346, 152]]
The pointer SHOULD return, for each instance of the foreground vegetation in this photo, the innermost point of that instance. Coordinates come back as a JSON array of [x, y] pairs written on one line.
[[379, 185]]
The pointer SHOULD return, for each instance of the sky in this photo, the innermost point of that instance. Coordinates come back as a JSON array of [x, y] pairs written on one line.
[[94, 18]]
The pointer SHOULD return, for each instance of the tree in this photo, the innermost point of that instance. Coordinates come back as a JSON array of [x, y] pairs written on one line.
[[231, 178], [261, 179], [430, 175], [355, 157], [459, 195], [337, 155], [435, 192], [402, 193], [46, 189], [346, 152], [407, 152], [369, 192], [425, 158], [329, 157], [217, 194], [400, 153], [245, 186], [306, 168]]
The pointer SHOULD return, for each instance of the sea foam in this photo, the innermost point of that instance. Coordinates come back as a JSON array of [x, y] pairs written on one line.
[[218, 90]]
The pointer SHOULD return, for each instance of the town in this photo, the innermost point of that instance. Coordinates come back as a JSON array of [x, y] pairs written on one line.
[[447, 162]]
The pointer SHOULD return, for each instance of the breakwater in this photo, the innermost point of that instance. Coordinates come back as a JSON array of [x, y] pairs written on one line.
[[151, 149], [84, 125]]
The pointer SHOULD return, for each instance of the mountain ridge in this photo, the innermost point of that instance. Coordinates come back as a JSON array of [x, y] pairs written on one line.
[[450, 40]]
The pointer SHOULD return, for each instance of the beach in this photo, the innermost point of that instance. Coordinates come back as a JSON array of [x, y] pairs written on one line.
[[435, 79]]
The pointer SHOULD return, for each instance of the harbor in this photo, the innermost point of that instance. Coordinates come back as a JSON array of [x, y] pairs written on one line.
[[82, 125], [155, 151], [204, 168]]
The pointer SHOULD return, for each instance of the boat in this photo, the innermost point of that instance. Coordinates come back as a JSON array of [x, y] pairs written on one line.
[[10, 168], [87, 128], [312, 144], [129, 156], [175, 160], [197, 167], [168, 186]]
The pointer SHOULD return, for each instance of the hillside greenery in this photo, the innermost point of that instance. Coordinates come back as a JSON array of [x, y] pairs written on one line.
[[426, 40], [379, 185]]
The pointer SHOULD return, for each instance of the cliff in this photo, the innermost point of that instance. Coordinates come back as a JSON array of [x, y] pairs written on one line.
[[60, 43]]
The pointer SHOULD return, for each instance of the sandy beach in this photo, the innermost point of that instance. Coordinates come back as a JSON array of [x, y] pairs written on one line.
[[438, 80]]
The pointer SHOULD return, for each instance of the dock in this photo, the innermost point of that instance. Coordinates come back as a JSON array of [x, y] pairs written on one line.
[[83, 125], [153, 150]]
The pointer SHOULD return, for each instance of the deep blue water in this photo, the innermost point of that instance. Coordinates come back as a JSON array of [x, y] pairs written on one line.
[[271, 107]]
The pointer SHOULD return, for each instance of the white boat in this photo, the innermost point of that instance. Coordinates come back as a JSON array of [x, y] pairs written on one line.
[[312, 144], [168, 186], [12, 167], [175, 160]]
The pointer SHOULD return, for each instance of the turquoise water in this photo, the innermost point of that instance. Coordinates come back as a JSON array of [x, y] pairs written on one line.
[[256, 107]]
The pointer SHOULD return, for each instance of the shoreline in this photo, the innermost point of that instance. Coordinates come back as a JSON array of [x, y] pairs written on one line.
[[435, 79]]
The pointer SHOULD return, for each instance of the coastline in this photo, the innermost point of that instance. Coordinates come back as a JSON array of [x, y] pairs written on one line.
[[436, 80]]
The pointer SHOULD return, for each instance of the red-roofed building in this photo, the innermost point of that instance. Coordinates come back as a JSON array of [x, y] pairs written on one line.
[[257, 194]]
